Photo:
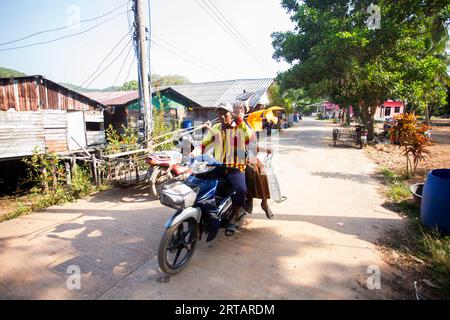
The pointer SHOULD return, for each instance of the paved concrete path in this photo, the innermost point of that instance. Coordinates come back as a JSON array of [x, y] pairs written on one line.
[[319, 246]]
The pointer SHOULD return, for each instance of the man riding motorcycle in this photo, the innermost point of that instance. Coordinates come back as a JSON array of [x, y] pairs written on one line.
[[229, 139]]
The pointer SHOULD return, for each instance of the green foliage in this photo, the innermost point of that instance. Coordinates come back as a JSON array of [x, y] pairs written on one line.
[[81, 185], [8, 73], [45, 170], [291, 99], [397, 190], [336, 56], [117, 142], [130, 86], [78, 88], [162, 128], [389, 176], [168, 80], [157, 81], [439, 250], [412, 138]]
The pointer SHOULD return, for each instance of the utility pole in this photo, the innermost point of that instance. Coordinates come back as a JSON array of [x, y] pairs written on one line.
[[143, 70]]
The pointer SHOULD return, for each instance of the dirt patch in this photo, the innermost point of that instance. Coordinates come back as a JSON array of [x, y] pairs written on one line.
[[412, 279]]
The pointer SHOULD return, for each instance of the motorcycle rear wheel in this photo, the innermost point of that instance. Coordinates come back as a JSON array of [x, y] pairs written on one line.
[[159, 177], [178, 238]]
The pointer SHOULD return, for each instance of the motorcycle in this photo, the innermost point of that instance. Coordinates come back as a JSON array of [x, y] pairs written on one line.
[[203, 205], [168, 166]]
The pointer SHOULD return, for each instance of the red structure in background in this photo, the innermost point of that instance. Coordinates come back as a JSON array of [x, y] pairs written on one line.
[[388, 109]]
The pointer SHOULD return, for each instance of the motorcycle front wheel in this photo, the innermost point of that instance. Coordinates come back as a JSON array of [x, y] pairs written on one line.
[[178, 246]]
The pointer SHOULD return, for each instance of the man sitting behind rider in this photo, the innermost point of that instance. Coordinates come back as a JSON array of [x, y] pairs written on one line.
[[229, 139]]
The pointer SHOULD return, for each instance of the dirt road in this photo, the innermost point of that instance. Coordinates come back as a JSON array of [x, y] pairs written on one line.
[[320, 246]]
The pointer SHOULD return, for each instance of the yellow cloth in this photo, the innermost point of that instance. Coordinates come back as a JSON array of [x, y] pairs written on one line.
[[255, 119]]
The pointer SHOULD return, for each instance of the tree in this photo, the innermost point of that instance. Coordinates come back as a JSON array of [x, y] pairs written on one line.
[[335, 55], [157, 81], [8, 73], [168, 80], [130, 86]]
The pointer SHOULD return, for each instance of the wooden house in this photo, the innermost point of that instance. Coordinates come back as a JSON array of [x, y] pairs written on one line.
[[37, 112]]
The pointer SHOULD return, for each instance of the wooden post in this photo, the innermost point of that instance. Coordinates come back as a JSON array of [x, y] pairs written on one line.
[[73, 164], [44, 179], [136, 163], [68, 173], [94, 169], [55, 178]]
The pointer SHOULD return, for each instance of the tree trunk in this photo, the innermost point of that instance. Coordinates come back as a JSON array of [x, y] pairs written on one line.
[[368, 118], [427, 115], [348, 115]]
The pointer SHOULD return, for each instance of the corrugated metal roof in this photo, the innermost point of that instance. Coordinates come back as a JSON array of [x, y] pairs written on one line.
[[206, 94], [212, 94], [256, 86], [114, 97]]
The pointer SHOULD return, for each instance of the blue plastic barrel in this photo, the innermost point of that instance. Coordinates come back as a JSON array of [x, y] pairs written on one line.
[[295, 118], [187, 124], [435, 207]]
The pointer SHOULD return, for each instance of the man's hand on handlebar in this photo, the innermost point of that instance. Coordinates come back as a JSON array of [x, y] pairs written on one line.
[[208, 125]]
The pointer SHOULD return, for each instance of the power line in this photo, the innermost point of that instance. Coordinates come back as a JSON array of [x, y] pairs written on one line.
[[233, 25], [236, 34], [185, 58], [217, 71], [224, 25], [64, 37], [129, 69], [65, 27], [123, 64], [105, 58], [109, 65]]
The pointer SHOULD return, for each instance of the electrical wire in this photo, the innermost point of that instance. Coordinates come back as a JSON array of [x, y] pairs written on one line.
[[123, 64], [213, 69], [129, 69], [109, 65], [65, 27], [220, 21], [185, 58], [64, 37], [233, 26], [105, 58]]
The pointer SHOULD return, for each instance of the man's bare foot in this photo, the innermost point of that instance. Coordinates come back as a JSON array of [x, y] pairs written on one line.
[[265, 207]]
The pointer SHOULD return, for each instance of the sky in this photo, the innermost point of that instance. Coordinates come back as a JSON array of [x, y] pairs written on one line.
[[212, 53]]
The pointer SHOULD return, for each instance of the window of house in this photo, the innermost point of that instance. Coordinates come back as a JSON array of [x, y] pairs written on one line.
[[94, 126], [387, 112], [397, 109]]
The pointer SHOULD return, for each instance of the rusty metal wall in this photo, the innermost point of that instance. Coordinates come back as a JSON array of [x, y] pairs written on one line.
[[35, 94]]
